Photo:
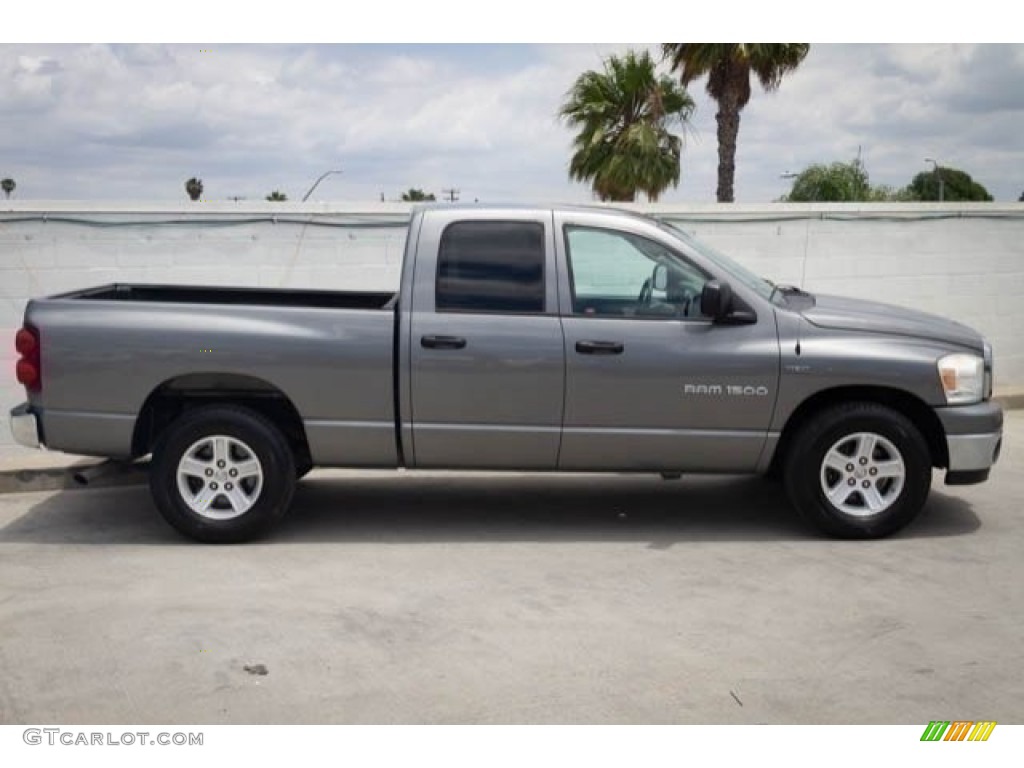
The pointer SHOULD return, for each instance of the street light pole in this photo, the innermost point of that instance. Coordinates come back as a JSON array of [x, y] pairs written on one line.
[[316, 183], [791, 175], [938, 175]]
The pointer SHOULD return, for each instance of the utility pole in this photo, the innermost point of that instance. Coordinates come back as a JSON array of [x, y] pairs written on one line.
[[451, 194]]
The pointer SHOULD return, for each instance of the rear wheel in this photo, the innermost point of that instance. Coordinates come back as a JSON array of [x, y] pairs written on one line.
[[222, 474], [858, 470]]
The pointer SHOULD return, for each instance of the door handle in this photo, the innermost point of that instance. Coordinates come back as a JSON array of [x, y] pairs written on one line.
[[443, 342], [600, 347]]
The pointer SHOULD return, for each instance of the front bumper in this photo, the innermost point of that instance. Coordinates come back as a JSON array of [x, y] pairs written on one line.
[[25, 427], [974, 438], [973, 452]]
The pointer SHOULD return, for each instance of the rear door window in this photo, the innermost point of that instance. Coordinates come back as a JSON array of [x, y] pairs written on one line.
[[491, 266]]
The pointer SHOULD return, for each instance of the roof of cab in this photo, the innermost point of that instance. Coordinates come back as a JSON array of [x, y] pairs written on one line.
[[557, 207]]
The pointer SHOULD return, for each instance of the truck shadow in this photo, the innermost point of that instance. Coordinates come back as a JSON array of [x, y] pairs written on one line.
[[563, 507], [411, 508]]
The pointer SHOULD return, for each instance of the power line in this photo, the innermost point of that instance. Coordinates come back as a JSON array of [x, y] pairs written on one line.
[[451, 194]]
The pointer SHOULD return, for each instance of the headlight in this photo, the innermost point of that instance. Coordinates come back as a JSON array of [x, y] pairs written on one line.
[[963, 378]]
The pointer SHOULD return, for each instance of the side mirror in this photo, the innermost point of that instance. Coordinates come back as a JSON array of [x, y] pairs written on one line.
[[660, 277], [716, 299]]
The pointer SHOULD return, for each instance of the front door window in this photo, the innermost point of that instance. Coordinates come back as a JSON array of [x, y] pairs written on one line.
[[618, 274]]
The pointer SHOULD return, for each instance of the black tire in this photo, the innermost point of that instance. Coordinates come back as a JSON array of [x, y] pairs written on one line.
[[812, 471], [267, 487]]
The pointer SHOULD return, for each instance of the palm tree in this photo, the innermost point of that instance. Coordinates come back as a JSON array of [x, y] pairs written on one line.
[[8, 186], [623, 114], [194, 188], [277, 197], [728, 67]]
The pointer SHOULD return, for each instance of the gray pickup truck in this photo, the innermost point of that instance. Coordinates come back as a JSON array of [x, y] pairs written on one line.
[[528, 339]]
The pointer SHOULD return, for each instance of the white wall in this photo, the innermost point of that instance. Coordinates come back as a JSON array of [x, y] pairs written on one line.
[[961, 260]]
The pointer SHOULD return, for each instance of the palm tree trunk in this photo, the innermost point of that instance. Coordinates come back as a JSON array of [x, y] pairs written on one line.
[[728, 118]]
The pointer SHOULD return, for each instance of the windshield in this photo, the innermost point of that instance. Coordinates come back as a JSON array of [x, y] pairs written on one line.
[[741, 273]]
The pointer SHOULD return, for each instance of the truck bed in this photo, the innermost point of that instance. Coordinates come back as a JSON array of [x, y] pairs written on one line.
[[109, 350], [195, 294]]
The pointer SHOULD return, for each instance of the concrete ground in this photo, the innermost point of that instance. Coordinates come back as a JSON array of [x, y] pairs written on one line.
[[526, 599]]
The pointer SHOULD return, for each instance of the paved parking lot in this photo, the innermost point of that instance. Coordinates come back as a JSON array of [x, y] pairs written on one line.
[[527, 599]]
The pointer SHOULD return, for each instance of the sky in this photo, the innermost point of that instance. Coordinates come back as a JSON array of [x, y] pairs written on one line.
[[134, 121]]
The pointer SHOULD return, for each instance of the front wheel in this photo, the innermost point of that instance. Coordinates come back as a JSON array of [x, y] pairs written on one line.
[[859, 470], [222, 474]]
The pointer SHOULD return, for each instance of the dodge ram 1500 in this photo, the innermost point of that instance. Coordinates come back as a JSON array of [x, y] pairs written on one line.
[[547, 339]]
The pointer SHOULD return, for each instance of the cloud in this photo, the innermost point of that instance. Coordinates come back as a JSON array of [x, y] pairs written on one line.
[[134, 121], [38, 65]]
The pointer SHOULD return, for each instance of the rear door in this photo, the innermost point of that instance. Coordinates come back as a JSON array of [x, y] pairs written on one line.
[[651, 383], [486, 351]]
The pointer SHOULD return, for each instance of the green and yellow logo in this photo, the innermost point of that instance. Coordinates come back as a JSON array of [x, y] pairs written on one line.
[[958, 730]]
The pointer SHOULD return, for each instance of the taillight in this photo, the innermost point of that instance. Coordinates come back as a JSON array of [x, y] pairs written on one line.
[[28, 369]]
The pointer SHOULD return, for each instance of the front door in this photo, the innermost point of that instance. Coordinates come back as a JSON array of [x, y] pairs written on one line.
[[652, 384]]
